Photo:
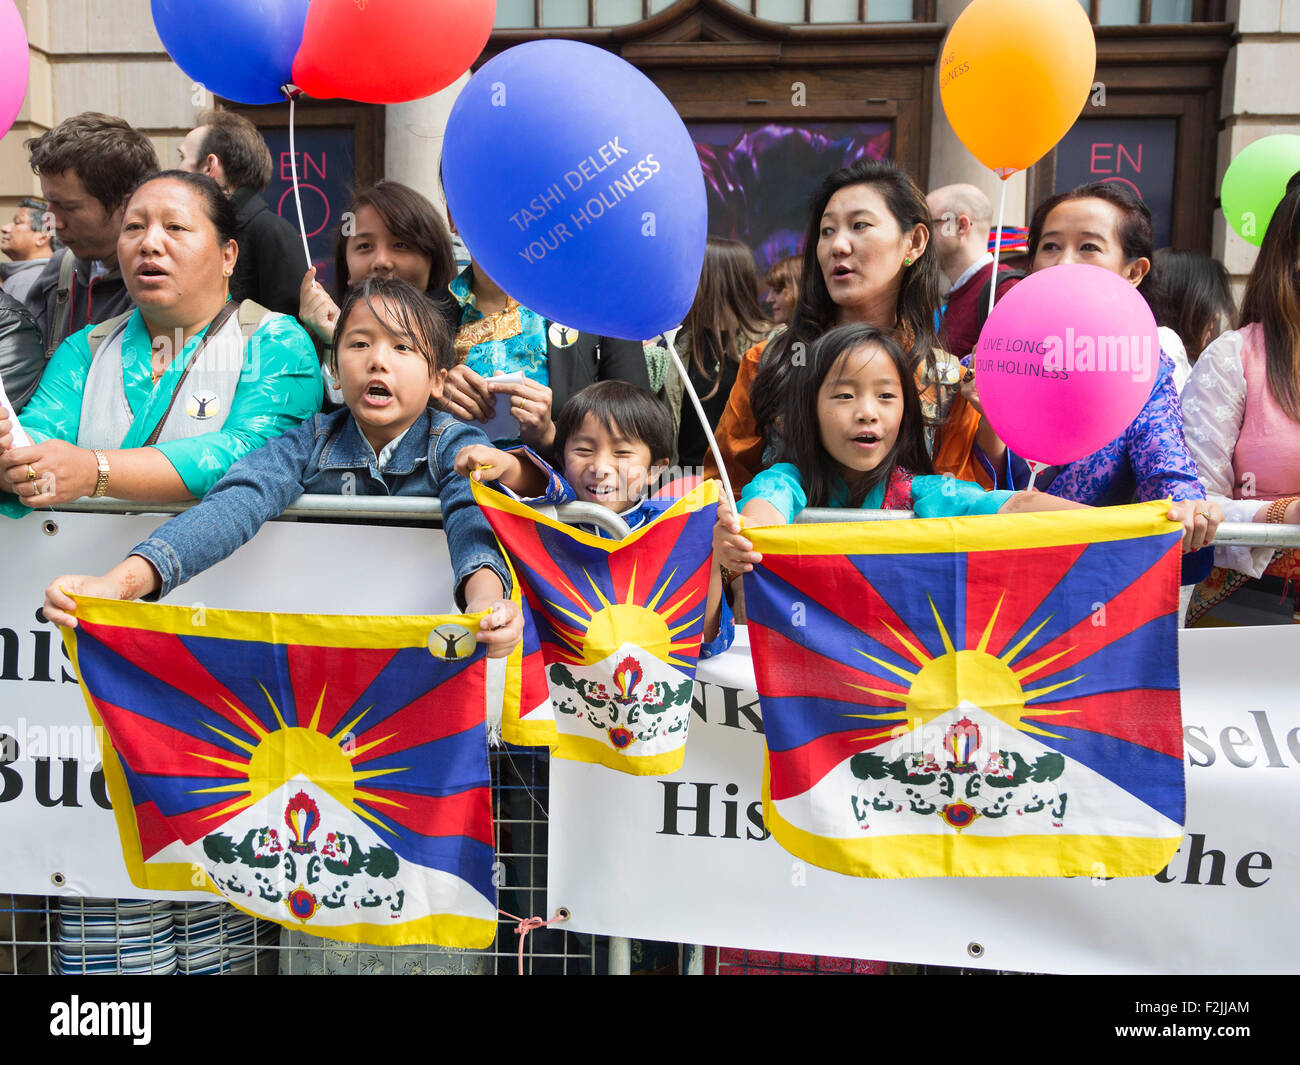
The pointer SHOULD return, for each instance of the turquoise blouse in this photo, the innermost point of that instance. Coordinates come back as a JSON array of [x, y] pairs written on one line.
[[282, 390], [932, 497]]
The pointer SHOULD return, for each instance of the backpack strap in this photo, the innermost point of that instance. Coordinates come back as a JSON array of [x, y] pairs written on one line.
[[250, 317], [59, 322], [103, 330]]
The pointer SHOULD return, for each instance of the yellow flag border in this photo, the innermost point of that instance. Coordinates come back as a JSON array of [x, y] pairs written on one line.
[[591, 751]]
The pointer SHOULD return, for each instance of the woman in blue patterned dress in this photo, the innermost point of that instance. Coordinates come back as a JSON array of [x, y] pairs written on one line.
[[1105, 225]]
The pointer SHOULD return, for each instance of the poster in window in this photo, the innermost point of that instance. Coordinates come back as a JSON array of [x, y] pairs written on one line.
[[760, 176], [1137, 153], [326, 181]]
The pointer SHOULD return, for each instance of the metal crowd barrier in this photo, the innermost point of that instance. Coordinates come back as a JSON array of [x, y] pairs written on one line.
[[30, 927], [356, 508]]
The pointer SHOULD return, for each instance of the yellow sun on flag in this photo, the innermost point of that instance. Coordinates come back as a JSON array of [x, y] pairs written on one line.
[[601, 630], [284, 753], [944, 682]]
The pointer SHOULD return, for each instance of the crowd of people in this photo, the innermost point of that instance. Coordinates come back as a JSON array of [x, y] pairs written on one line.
[[160, 341], [134, 296]]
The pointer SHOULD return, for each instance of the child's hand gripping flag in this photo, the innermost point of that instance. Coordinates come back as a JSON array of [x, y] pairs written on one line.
[[989, 696], [617, 631], [328, 773]]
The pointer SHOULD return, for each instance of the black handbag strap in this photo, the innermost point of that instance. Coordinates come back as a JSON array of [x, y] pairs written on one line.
[[214, 327]]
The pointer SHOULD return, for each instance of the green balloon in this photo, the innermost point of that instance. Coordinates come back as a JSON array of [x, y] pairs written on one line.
[[1255, 183]]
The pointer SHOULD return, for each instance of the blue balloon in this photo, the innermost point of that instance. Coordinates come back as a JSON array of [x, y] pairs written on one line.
[[240, 49], [574, 184]]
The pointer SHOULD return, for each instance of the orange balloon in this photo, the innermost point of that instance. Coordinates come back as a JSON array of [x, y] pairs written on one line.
[[1014, 75]]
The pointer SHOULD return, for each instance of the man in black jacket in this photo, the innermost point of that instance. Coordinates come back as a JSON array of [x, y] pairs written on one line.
[[21, 359], [88, 165], [28, 242], [227, 147]]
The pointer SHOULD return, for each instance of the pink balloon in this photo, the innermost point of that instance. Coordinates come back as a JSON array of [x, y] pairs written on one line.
[[13, 64], [1066, 361]]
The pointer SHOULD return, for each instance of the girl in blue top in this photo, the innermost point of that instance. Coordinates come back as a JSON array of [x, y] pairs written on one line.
[[854, 437]]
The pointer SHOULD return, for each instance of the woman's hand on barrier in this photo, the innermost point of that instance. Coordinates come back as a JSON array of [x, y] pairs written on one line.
[[465, 395], [1200, 520], [129, 579], [730, 548], [316, 308], [49, 473], [481, 463], [530, 404], [502, 629]]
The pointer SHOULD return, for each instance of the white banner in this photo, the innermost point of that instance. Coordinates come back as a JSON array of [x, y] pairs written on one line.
[[685, 858], [58, 831]]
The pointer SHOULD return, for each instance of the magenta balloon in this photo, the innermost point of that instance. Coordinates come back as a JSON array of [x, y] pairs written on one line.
[[13, 64], [1066, 361]]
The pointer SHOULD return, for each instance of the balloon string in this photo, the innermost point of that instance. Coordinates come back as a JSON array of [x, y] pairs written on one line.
[[997, 245], [293, 167], [669, 336]]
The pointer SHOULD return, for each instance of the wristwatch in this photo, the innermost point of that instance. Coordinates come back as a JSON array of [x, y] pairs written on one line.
[[101, 485]]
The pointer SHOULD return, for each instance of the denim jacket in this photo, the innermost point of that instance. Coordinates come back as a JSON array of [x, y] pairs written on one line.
[[327, 454]]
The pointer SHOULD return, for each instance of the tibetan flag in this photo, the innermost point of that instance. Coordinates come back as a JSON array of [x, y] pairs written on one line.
[[983, 696], [328, 773], [618, 626]]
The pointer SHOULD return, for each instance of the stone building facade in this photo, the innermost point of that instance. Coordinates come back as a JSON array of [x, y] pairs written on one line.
[[1218, 73]]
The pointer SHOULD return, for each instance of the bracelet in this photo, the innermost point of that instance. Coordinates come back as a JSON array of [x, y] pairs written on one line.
[[1276, 513], [101, 485]]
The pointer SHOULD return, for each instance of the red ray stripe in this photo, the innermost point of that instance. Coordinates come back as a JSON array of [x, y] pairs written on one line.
[[149, 747], [164, 657], [1149, 717], [191, 825], [696, 585], [156, 832], [651, 556], [454, 706], [791, 670], [521, 540], [343, 673], [797, 770], [535, 692], [1037, 572], [1150, 596], [467, 813], [833, 582]]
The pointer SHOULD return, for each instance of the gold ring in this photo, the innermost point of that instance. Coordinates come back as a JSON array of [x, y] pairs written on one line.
[[968, 376], [31, 472]]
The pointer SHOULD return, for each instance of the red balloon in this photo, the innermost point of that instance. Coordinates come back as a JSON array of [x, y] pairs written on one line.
[[389, 51]]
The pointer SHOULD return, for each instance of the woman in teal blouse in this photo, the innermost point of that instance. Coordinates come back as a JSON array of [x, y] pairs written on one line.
[[118, 412]]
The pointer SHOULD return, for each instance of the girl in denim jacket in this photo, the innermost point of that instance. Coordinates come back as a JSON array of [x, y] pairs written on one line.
[[391, 358]]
